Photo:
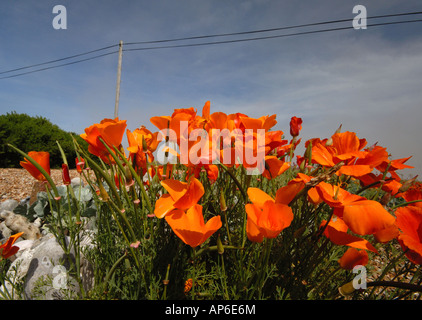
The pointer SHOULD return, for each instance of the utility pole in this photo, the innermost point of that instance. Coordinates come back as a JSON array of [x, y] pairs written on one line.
[[119, 74]]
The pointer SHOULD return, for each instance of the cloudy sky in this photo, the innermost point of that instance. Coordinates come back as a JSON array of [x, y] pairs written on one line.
[[367, 80]]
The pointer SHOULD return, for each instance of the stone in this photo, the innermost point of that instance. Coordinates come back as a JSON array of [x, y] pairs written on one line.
[[18, 223], [47, 275], [8, 205], [5, 232], [76, 182], [17, 272]]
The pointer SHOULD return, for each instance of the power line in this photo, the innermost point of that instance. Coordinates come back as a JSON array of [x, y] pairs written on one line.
[[267, 37], [210, 43], [58, 60], [270, 29], [60, 65]]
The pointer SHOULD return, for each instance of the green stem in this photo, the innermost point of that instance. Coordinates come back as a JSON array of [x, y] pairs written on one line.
[[166, 282], [138, 180], [112, 270], [405, 203], [396, 284]]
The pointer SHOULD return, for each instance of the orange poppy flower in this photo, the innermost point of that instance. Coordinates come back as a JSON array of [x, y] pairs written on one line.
[[188, 285], [273, 140], [142, 144], [414, 193], [7, 249], [210, 169], [181, 195], [274, 167], [390, 185], [409, 221], [264, 122], [353, 257], [347, 147], [111, 131], [174, 122], [234, 121], [336, 231], [141, 139], [266, 217], [43, 159], [190, 226], [362, 216]]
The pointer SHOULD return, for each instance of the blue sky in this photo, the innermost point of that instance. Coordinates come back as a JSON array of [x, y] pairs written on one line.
[[367, 80]]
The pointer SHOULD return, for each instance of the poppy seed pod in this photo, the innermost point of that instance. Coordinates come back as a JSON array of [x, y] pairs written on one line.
[[346, 289], [220, 247]]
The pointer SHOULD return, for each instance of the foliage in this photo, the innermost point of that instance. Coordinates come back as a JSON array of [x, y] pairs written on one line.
[[33, 133]]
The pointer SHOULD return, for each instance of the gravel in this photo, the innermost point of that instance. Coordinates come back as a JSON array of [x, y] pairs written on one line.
[[17, 184]]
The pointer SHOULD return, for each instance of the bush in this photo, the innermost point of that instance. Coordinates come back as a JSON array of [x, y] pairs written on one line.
[[33, 134]]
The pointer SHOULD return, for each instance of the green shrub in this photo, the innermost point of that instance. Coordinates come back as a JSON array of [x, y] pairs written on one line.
[[34, 134]]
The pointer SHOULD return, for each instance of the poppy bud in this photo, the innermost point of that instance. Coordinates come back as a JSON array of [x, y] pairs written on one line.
[[308, 153], [407, 184], [330, 140], [223, 205], [295, 126], [80, 163], [128, 177], [65, 174], [144, 144], [220, 247], [103, 193]]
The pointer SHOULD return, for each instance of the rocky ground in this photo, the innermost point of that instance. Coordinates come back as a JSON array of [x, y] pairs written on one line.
[[18, 184]]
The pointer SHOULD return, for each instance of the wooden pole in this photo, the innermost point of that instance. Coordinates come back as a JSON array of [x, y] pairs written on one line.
[[119, 74]]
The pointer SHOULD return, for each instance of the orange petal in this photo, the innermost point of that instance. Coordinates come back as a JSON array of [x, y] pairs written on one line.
[[161, 123], [409, 221], [42, 158], [195, 190], [179, 223], [387, 234], [206, 110], [274, 218], [175, 188], [251, 123], [287, 193], [219, 120], [258, 197], [346, 144], [252, 231], [211, 227], [354, 170], [353, 257], [335, 196], [112, 131], [336, 231], [190, 227], [367, 217], [163, 206], [322, 155], [275, 167]]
